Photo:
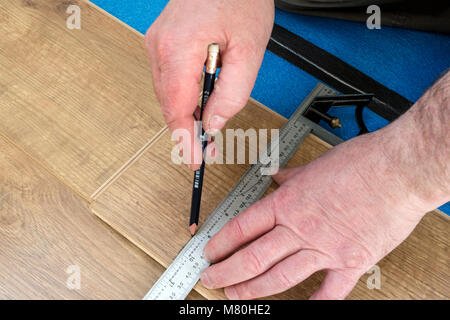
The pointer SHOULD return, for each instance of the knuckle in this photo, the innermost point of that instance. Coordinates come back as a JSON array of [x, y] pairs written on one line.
[[171, 92], [228, 101], [240, 100], [356, 259], [244, 53], [285, 280], [273, 203], [253, 264], [237, 230], [165, 47], [285, 195], [279, 201], [169, 114], [168, 68], [308, 225], [210, 248], [315, 260]]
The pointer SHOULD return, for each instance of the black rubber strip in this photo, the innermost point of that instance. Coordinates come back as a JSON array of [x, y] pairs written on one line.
[[336, 73]]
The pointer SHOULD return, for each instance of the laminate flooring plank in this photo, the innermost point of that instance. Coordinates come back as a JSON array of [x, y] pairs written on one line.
[[45, 228], [80, 102]]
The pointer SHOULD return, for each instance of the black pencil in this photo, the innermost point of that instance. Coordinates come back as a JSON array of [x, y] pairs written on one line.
[[208, 87]]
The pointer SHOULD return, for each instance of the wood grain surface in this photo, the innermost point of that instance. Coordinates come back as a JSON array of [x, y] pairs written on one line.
[[45, 228], [76, 105], [80, 122], [150, 202], [80, 102]]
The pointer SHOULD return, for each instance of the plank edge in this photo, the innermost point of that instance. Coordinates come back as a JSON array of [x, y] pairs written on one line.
[[127, 164], [109, 15]]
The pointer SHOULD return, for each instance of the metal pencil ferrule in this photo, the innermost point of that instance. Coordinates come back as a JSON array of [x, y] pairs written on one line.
[[212, 60]]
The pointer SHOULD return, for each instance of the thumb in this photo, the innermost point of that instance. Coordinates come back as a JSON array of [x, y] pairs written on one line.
[[232, 89], [284, 174]]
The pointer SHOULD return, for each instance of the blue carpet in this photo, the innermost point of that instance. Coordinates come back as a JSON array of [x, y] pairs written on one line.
[[406, 61]]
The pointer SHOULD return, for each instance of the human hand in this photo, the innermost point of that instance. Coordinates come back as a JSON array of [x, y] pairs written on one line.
[[177, 45], [342, 213]]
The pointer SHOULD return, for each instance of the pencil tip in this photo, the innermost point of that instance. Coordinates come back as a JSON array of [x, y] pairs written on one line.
[[192, 228]]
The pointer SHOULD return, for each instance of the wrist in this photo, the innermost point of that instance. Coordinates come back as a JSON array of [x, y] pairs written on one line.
[[401, 172], [416, 149], [388, 183]]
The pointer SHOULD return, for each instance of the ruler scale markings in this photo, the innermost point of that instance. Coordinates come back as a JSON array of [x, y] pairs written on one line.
[[184, 272]]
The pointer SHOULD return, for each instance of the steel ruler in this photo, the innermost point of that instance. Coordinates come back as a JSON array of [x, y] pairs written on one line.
[[184, 272]]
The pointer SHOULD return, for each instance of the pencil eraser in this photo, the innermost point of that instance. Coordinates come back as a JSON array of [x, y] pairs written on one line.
[[213, 48]]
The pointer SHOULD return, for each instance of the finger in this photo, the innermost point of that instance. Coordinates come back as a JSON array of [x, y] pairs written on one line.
[[178, 75], [251, 223], [253, 260], [189, 141], [232, 88], [284, 275], [174, 118], [336, 285], [284, 174]]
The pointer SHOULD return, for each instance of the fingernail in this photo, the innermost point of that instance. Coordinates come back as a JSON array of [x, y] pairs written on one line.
[[193, 166], [206, 256], [205, 280], [216, 123], [231, 293]]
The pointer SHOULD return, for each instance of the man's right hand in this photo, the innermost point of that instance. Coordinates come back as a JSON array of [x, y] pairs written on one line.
[[177, 44]]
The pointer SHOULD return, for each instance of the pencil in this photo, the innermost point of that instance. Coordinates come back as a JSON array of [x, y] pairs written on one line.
[[208, 87]]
